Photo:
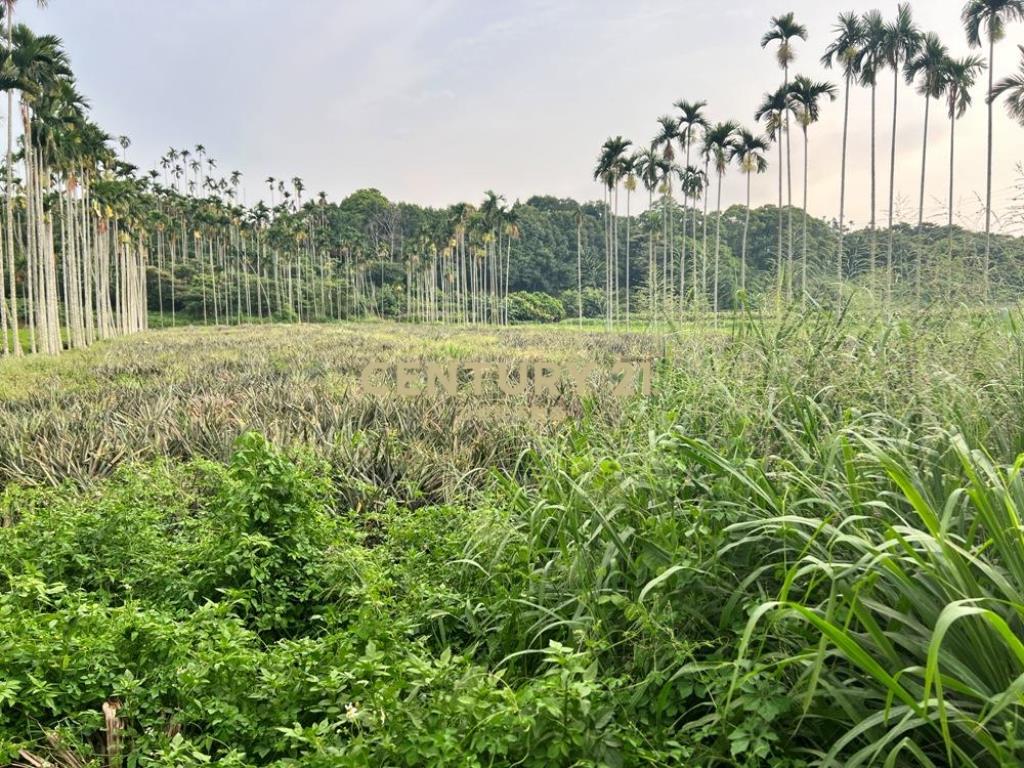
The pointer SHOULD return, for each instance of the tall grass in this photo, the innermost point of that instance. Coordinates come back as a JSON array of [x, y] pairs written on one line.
[[805, 548], [807, 544]]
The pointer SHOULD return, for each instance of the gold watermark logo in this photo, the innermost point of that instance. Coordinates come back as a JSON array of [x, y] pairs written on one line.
[[547, 389]]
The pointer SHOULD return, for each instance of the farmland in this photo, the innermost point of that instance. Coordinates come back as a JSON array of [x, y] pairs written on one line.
[[593, 402], [802, 546]]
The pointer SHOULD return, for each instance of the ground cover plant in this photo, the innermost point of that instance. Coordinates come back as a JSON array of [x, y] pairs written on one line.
[[803, 548]]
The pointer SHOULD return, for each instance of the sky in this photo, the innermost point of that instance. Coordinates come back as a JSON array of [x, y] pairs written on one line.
[[436, 101]]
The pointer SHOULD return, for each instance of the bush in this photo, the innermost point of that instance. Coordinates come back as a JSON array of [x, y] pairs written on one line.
[[524, 307], [593, 302]]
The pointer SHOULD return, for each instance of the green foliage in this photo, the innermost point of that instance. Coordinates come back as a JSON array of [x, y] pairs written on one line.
[[802, 550], [384, 238], [593, 302], [534, 308]]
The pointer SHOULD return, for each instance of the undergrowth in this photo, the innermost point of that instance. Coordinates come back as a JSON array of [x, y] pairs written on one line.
[[804, 549]]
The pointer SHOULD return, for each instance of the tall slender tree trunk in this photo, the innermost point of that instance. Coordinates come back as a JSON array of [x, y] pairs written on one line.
[[664, 257], [789, 198], [629, 194], [892, 185], [682, 254], [803, 256], [615, 258], [579, 271], [693, 259], [4, 348], [718, 240], [682, 263], [988, 182], [704, 254], [842, 184], [670, 251], [508, 272], [952, 167], [746, 229], [873, 249], [607, 259], [924, 164], [779, 272], [10, 198], [920, 205], [652, 287]]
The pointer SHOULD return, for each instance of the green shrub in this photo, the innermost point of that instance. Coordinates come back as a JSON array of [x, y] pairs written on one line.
[[526, 307], [594, 302]]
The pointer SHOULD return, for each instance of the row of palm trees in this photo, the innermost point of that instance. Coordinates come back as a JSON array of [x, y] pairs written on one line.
[[462, 272], [84, 274], [86, 239], [862, 49], [284, 262]]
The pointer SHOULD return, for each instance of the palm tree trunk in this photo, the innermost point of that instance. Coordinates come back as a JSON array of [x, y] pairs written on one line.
[[607, 259], [670, 275], [615, 257], [9, 204], [664, 256], [924, 164], [682, 256], [682, 264], [920, 206], [579, 272], [842, 184], [3, 310], [952, 158], [873, 250], [746, 228], [651, 259], [789, 198], [693, 259], [803, 256], [718, 240], [778, 266], [704, 255], [628, 232], [988, 183], [508, 271], [892, 185]]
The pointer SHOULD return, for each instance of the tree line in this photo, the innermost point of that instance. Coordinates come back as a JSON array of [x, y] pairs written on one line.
[[93, 247], [690, 150]]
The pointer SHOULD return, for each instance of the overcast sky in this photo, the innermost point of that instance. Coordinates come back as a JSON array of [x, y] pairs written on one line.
[[435, 101]]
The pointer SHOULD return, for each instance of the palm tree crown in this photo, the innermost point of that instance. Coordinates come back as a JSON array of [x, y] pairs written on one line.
[[610, 163], [929, 62], [782, 31], [33, 65], [805, 96], [691, 121], [718, 144], [1013, 86], [668, 132], [870, 59], [958, 77], [902, 39], [645, 164], [991, 17], [772, 110], [748, 150], [692, 181], [845, 48]]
